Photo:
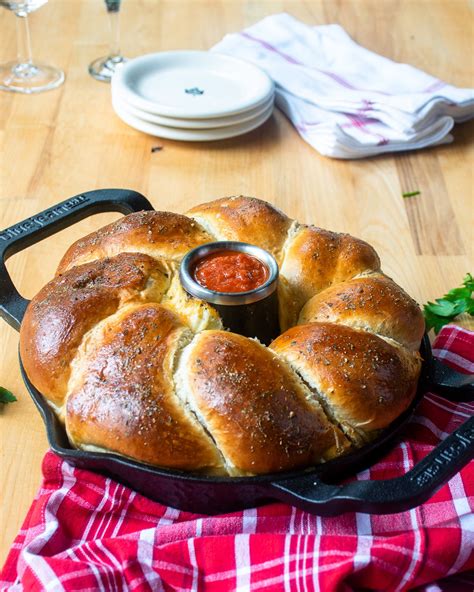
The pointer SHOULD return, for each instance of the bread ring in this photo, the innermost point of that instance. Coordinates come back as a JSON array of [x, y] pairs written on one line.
[[132, 364]]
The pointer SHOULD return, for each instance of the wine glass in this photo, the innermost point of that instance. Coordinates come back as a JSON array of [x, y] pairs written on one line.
[[24, 75], [103, 68]]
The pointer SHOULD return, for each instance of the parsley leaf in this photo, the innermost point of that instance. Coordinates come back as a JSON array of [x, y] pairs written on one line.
[[6, 396], [411, 193], [455, 302]]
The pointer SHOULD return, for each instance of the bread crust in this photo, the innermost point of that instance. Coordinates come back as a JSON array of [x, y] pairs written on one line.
[[373, 303], [70, 305], [123, 398], [157, 234], [316, 259], [363, 381], [254, 405], [245, 219]]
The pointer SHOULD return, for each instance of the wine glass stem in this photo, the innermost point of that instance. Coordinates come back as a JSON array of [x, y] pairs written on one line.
[[24, 41], [115, 33]]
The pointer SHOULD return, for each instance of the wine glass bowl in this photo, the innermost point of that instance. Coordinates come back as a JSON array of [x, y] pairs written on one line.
[[103, 68], [22, 6], [23, 75]]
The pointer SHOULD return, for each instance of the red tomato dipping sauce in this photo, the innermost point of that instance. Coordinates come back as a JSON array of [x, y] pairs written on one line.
[[230, 271]]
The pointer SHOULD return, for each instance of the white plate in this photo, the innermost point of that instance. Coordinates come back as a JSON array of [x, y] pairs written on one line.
[[190, 135], [191, 123], [192, 84]]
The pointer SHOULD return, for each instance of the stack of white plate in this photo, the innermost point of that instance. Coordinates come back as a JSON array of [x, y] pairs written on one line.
[[192, 95]]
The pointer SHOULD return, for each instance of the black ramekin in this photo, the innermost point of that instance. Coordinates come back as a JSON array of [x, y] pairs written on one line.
[[253, 313]]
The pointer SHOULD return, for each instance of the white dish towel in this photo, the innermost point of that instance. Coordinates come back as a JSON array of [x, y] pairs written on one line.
[[346, 101]]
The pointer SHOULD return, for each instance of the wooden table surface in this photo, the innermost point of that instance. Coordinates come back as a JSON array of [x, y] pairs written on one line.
[[67, 141]]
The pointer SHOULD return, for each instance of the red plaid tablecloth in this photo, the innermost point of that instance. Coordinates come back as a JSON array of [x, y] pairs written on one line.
[[85, 532]]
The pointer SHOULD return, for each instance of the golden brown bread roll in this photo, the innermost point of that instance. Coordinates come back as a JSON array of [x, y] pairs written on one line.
[[260, 415], [158, 234], [373, 303], [362, 381], [134, 365], [245, 219], [123, 399], [315, 259], [70, 305]]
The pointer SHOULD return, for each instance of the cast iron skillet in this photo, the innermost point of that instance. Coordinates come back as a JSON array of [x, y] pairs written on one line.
[[313, 490]]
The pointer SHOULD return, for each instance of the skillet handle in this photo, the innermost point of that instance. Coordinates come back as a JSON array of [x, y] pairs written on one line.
[[446, 381], [40, 226], [385, 496]]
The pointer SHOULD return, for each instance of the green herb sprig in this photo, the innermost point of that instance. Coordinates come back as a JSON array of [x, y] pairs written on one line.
[[6, 396], [455, 302], [411, 193]]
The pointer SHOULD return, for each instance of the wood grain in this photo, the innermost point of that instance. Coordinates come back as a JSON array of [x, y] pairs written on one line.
[[429, 211], [67, 141]]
